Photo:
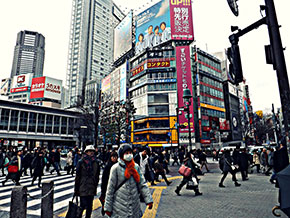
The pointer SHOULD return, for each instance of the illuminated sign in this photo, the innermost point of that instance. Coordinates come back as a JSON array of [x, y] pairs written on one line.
[[158, 64]]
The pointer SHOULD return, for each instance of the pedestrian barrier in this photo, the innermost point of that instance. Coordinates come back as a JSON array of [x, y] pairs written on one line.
[[18, 206]]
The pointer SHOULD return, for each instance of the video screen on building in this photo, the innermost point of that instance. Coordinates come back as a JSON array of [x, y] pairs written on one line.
[[153, 26], [123, 36]]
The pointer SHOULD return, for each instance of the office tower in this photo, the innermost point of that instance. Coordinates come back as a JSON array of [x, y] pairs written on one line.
[[28, 54], [91, 44]]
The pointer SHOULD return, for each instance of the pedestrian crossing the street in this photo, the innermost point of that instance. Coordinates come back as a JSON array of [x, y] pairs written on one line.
[[63, 192]]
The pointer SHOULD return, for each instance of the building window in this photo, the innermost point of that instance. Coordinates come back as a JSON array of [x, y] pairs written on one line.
[[4, 119], [32, 122], [40, 123], [23, 121]]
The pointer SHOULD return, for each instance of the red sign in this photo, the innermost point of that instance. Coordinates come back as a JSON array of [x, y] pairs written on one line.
[[20, 89], [21, 79], [157, 64], [183, 69], [206, 128], [138, 70], [224, 124], [37, 87], [205, 141]]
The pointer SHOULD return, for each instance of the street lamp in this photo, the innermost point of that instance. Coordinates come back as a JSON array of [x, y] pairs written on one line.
[[187, 102]]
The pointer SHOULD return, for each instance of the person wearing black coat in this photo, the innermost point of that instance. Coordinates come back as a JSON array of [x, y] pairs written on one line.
[[226, 162], [280, 160], [105, 178], [38, 164], [55, 159], [243, 162], [27, 159]]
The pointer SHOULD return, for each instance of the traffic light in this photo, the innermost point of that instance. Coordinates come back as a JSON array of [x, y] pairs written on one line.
[[235, 66]]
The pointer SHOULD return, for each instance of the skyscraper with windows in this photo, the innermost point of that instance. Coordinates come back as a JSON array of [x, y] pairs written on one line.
[[28, 54], [91, 44]]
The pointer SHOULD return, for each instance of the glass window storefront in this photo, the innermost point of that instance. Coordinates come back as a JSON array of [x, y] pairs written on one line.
[[23, 121], [32, 122], [56, 124], [48, 128], [4, 119], [40, 123]]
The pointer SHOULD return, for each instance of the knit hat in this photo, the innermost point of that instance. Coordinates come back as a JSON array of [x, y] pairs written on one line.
[[123, 148]]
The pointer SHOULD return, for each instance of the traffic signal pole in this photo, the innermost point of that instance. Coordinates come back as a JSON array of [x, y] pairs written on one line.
[[279, 61], [276, 55]]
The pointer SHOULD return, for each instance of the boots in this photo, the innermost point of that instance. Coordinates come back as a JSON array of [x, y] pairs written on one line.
[[196, 190]]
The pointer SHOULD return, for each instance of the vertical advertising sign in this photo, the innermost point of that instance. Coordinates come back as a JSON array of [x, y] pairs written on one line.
[[37, 87], [106, 83], [184, 81], [123, 78], [181, 20]]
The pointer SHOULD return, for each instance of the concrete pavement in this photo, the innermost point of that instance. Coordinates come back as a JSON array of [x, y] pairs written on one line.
[[255, 198]]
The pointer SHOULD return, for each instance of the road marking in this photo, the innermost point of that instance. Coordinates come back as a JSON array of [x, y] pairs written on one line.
[[156, 199]]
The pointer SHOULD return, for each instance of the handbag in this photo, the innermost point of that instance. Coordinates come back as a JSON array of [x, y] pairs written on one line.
[[184, 171], [74, 210], [12, 169]]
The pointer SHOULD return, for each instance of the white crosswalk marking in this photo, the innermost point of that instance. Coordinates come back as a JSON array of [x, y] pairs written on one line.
[[63, 192]]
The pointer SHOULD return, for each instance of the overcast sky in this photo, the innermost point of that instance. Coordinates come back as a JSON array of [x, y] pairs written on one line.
[[211, 19]]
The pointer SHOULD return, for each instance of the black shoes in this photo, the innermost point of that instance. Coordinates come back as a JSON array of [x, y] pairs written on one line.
[[198, 193], [245, 179], [3, 183], [237, 184], [272, 181], [177, 192], [221, 185], [168, 183], [152, 183]]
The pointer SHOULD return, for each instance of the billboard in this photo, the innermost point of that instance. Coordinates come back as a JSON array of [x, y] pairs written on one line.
[[166, 20], [4, 86], [153, 26], [106, 83], [123, 36], [21, 83], [46, 87], [184, 81], [123, 81], [181, 20]]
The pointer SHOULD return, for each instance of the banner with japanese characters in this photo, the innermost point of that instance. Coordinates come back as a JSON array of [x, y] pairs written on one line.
[[184, 81], [46, 87], [181, 20], [158, 64]]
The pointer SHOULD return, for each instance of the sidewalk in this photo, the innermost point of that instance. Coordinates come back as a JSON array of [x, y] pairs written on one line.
[[255, 198]]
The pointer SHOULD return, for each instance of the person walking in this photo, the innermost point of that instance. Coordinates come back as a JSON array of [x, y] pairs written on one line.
[[105, 178], [226, 162], [87, 179], [159, 169], [202, 160], [175, 158], [256, 161], [38, 165], [270, 154], [14, 169], [243, 163], [126, 186], [280, 161], [55, 159], [69, 161], [189, 163], [26, 162], [264, 160], [2, 161]]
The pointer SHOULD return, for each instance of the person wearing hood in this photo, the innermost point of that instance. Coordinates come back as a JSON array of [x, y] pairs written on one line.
[[87, 179], [105, 178], [126, 186]]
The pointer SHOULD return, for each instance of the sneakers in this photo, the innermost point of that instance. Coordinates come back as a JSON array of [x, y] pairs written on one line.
[[177, 192]]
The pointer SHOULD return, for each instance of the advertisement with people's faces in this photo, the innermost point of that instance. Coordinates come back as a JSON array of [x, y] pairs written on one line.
[[153, 26]]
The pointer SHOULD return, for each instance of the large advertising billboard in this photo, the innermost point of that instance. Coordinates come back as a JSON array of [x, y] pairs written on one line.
[[21, 83], [181, 20], [153, 26], [123, 36], [166, 20], [106, 83], [46, 87], [123, 81], [184, 81]]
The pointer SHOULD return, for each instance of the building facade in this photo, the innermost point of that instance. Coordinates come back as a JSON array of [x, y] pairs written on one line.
[[209, 104], [28, 54], [91, 44]]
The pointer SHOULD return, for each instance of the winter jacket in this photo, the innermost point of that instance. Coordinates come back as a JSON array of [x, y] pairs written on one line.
[[69, 159], [227, 161], [38, 164], [86, 182], [125, 202], [243, 161]]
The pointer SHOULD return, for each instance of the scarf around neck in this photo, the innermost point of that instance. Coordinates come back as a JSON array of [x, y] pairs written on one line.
[[131, 171]]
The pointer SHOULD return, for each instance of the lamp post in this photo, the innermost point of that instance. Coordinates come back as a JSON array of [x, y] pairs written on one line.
[[187, 102]]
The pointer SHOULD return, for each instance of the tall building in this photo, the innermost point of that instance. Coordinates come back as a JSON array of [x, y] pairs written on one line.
[[91, 44], [28, 54]]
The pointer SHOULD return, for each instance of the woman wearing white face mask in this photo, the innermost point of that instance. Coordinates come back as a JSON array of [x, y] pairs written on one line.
[[125, 186]]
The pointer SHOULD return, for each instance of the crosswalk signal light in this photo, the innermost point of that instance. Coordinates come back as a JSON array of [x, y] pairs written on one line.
[[235, 66]]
